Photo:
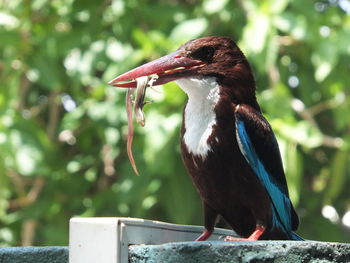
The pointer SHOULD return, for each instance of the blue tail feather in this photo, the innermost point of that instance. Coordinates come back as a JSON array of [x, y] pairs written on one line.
[[296, 237]]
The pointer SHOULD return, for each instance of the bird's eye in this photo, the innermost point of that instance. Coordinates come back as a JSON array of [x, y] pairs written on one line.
[[204, 53]]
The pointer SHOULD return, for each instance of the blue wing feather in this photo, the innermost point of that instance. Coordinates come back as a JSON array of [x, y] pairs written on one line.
[[281, 204]]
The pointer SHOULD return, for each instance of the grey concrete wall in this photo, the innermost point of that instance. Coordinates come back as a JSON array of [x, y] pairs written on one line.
[[241, 252], [33, 254], [211, 251]]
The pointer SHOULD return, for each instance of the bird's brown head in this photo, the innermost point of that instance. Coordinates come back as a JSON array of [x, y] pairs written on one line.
[[213, 56]]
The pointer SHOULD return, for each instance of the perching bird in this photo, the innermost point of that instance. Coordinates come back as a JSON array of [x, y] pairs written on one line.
[[228, 147]]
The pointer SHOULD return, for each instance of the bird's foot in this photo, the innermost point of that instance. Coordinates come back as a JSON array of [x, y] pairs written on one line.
[[259, 230], [205, 235]]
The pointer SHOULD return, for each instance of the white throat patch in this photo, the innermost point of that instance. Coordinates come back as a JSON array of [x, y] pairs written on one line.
[[203, 95]]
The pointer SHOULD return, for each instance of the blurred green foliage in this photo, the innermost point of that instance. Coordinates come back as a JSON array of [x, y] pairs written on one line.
[[63, 129]]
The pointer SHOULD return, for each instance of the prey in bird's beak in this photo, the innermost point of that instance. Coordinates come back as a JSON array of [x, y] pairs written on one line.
[[157, 72]]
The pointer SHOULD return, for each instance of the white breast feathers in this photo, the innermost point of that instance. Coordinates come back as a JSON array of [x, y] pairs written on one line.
[[203, 95]]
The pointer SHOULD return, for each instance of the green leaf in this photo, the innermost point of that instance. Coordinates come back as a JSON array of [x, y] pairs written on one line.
[[188, 29], [214, 6], [338, 173], [324, 59], [302, 133], [256, 33]]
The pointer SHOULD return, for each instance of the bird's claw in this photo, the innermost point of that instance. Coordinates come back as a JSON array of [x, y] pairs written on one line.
[[259, 230]]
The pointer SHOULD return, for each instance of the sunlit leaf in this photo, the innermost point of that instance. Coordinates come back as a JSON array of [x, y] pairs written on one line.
[[324, 60], [337, 175], [188, 29], [302, 133], [255, 34], [214, 6], [28, 159]]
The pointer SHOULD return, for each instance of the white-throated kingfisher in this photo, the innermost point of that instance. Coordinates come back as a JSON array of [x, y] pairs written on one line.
[[228, 147]]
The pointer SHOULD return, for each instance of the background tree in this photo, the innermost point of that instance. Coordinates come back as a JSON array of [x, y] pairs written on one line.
[[63, 129]]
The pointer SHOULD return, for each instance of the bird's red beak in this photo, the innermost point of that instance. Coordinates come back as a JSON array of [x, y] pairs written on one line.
[[168, 68]]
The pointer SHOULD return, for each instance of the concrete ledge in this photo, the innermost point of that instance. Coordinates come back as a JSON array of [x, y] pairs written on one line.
[[241, 251], [34, 255], [210, 251]]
